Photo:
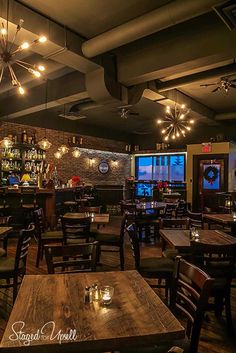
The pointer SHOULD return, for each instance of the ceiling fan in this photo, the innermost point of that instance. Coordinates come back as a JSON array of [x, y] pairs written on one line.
[[125, 112], [224, 85]]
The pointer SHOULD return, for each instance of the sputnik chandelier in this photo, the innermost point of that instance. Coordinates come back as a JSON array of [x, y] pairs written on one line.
[[8, 56], [176, 122]]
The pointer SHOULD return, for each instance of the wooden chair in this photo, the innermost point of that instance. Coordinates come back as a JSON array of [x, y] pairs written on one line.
[[190, 295], [4, 222], [151, 267], [13, 269], [115, 242], [219, 262], [169, 211], [195, 220], [71, 258], [43, 235], [189, 300], [28, 198], [181, 210], [75, 229], [3, 203]]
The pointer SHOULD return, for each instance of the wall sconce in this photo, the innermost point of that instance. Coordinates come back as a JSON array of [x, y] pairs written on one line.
[[115, 163], [91, 162]]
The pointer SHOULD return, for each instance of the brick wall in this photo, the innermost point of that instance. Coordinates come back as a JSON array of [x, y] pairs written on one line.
[[98, 149]]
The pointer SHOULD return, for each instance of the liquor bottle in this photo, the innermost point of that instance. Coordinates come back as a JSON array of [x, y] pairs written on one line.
[[24, 137]]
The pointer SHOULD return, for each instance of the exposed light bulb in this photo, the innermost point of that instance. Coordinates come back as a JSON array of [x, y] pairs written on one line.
[[181, 116], [41, 68], [188, 128], [177, 134], [159, 121], [166, 138], [168, 109], [191, 121], [36, 73], [183, 106], [42, 39], [76, 153], [173, 137], [24, 45], [163, 131], [3, 31], [57, 154], [21, 90]]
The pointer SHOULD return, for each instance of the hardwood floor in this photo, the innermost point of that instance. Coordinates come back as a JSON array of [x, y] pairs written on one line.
[[214, 338]]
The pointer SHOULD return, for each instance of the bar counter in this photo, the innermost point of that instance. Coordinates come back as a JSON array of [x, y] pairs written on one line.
[[48, 199]]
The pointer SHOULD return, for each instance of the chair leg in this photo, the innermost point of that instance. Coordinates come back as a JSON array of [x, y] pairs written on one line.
[[218, 306], [38, 254], [15, 287], [122, 259], [228, 313]]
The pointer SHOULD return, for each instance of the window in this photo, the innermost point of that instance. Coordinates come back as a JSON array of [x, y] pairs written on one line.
[[160, 167]]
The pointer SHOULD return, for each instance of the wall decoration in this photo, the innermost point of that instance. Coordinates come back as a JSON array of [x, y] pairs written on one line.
[[103, 167]]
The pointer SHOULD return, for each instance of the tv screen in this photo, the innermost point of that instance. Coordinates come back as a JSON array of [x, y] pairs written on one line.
[[143, 190]]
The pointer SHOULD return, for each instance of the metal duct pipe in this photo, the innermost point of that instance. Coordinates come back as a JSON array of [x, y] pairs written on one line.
[[204, 75], [166, 16], [225, 116]]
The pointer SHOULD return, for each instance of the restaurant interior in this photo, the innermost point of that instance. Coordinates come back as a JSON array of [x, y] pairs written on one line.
[[118, 176]]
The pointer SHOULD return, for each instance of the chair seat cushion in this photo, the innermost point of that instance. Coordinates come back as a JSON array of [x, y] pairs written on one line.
[[170, 253], [2, 252], [7, 264], [154, 265], [107, 238], [52, 234], [29, 205]]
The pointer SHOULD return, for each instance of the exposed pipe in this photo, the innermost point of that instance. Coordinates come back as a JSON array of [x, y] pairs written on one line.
[[166, 16], [204, 75], [225, 116]]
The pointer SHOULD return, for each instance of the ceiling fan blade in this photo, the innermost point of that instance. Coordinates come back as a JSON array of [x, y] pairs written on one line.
[[215, 90], [208, 84]]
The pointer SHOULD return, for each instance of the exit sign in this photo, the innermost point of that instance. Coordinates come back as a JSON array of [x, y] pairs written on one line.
[[206, 147]]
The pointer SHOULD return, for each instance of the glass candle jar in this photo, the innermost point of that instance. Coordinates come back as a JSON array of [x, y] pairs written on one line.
[[106, 294]]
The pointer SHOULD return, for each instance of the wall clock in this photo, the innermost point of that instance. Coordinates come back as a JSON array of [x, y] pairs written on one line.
[[103, 167]]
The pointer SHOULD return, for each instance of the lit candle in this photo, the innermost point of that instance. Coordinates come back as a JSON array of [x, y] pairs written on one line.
[[106, 295]]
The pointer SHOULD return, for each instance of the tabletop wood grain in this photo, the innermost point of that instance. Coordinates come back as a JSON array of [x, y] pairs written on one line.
[[136, 316], [225, 218], [101, 218], [180, 238], [5, 230]]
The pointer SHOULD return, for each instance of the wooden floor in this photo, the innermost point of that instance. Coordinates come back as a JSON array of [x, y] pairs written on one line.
[[214, 338]]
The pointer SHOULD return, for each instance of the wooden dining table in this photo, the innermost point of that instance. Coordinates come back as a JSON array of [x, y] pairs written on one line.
[[96, 218], [50, 304], [225, 219], [4, 231], [180, 239]]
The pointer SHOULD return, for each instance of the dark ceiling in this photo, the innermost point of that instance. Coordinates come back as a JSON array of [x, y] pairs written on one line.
[[143, 70]]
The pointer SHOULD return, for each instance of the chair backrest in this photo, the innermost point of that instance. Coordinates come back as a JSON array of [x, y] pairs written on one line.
[[5, 221], [169, 209], [191, 291], [28, 195], [23, 248], [3, 195], [39, 220], [71, 258], [94, 209], [168, 223], [195, 220], [75, 229], [181, 210], [134, 241], [217, 260]]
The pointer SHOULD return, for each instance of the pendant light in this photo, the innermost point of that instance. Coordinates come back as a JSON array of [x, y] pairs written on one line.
[[76, 152], [58, 154], [44, 144], [63, 148]]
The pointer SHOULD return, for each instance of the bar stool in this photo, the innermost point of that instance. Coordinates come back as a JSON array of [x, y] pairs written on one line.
[[28, 202], [3, 204]]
